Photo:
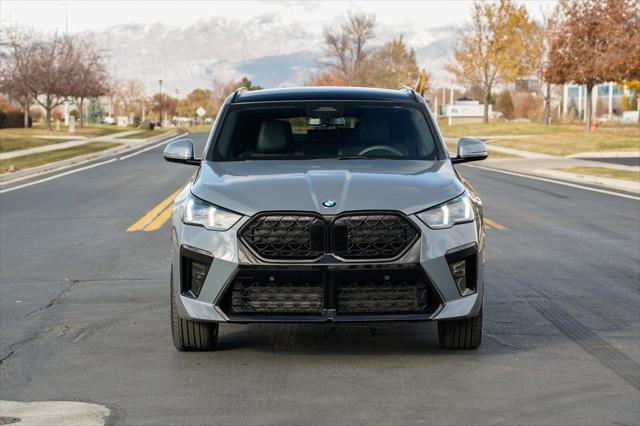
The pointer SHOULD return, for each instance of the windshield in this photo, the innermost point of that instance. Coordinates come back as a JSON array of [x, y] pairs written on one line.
[[312, 130]]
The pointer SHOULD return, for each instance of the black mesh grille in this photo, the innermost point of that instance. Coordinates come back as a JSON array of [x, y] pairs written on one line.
[[285, 236], [355, 236], [319, 292], [370, 297], [281, 292], [372, 236]]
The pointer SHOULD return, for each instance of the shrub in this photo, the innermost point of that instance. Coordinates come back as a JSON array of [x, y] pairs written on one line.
[[13, 119], [526, 105], [504, 104], [147, 125]]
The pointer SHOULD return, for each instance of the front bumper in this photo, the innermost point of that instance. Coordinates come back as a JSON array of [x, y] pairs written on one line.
[[327, 289]]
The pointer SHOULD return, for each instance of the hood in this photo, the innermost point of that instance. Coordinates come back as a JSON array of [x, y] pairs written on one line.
[[249, 187]]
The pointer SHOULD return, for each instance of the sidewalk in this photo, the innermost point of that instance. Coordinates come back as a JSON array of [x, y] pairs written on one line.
[[63, 145]]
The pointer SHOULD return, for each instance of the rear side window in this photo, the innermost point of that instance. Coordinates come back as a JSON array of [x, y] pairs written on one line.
[[310, 130]]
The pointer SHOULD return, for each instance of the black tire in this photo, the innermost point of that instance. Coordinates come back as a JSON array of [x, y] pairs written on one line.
[[462, 333], [191, 335]]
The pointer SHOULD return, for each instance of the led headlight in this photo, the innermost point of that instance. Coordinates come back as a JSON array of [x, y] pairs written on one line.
[[458, 210], [199, 212]]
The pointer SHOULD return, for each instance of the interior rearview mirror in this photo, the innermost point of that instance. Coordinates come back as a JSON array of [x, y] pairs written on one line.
[[181, 151], [470, 149]]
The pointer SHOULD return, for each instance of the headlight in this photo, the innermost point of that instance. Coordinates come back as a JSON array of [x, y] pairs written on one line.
[[214, 218], [458, 210]]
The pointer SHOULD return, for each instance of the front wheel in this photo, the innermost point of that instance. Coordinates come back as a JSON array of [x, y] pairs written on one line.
[[191, 335], [461, 333]]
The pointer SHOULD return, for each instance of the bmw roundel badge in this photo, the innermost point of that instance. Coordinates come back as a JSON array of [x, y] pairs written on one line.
[[329, 203]]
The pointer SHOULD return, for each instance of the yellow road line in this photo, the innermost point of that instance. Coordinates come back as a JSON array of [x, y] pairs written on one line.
[[490, 223], [160, 220], [151, 214]]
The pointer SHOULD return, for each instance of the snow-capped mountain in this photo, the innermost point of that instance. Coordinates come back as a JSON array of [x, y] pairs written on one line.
[[269, 49]]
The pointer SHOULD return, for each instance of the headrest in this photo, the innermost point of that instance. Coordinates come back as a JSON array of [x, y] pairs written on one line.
[[373, 130], [274, 137]]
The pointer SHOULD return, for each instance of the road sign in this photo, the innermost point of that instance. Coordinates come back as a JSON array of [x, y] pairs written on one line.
[[201, 111]]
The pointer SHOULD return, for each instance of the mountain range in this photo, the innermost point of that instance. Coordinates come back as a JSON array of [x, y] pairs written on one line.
[[269, 49]]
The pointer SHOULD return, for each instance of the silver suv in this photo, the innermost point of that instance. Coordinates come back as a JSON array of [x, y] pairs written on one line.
[[326, 204]]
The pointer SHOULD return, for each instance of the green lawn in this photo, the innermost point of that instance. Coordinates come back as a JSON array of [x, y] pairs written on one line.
[[21, 138], [89, 130], [144, 134], [605, 172], [202, 128], [13, 142], [555, 139], [34, 160], [562, 144]]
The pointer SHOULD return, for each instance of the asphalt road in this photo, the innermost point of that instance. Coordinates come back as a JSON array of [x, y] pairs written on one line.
[[84, 316]]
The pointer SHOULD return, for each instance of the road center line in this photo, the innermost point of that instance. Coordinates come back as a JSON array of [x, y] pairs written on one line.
[[557, 182], [154, 212], [493, 224], [159, 220]]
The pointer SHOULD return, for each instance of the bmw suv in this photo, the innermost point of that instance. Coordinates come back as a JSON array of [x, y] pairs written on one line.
[[326, 204]]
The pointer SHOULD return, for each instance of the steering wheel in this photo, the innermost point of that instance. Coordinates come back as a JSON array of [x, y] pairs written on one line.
[[381, 148]]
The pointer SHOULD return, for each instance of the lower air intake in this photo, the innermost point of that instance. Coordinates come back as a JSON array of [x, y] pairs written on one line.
[[277, 293]]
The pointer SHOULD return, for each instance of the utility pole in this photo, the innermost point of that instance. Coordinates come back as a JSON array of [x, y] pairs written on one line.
[[161, 100]]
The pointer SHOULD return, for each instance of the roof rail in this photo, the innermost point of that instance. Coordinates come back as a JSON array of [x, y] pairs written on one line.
[[409, 89], [237, 92]]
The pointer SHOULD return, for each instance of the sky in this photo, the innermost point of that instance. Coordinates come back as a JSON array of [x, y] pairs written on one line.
[[188, 44], [90, 15]]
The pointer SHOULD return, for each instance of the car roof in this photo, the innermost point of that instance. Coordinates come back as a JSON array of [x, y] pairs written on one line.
[[325, 93]]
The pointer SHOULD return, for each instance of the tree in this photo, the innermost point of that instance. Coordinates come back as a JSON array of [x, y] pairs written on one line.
[[329, 78], [595, 42], [130, 93], [16, 66], [346, 49], [541, 40], [392, 66], [188, 106], [95, 111], [163, 104], [89, 77], [245, 82], [504, 104], [494, 48]]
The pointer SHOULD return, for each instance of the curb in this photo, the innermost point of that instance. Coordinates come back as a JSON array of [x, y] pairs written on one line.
[[13, 177]]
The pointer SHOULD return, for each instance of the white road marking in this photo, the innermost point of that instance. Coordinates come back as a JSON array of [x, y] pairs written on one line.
[[557, 182], [68, 413], [70, 172], [153, 146]]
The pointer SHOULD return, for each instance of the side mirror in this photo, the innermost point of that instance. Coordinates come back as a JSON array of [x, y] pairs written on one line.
[[470, 149], [180, 151]]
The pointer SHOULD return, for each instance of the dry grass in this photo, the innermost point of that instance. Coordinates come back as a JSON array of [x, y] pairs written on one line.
[[493, 155], [144, 134], [606, 173], [34, 160]]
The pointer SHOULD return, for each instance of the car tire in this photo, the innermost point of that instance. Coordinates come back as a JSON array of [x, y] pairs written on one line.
[[191, 335], [462, 333]]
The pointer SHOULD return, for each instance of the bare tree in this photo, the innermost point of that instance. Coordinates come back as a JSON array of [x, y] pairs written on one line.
[[89, 77], [16, 66], [130, 93], [54, 63], [541, 38], [346, 49]]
